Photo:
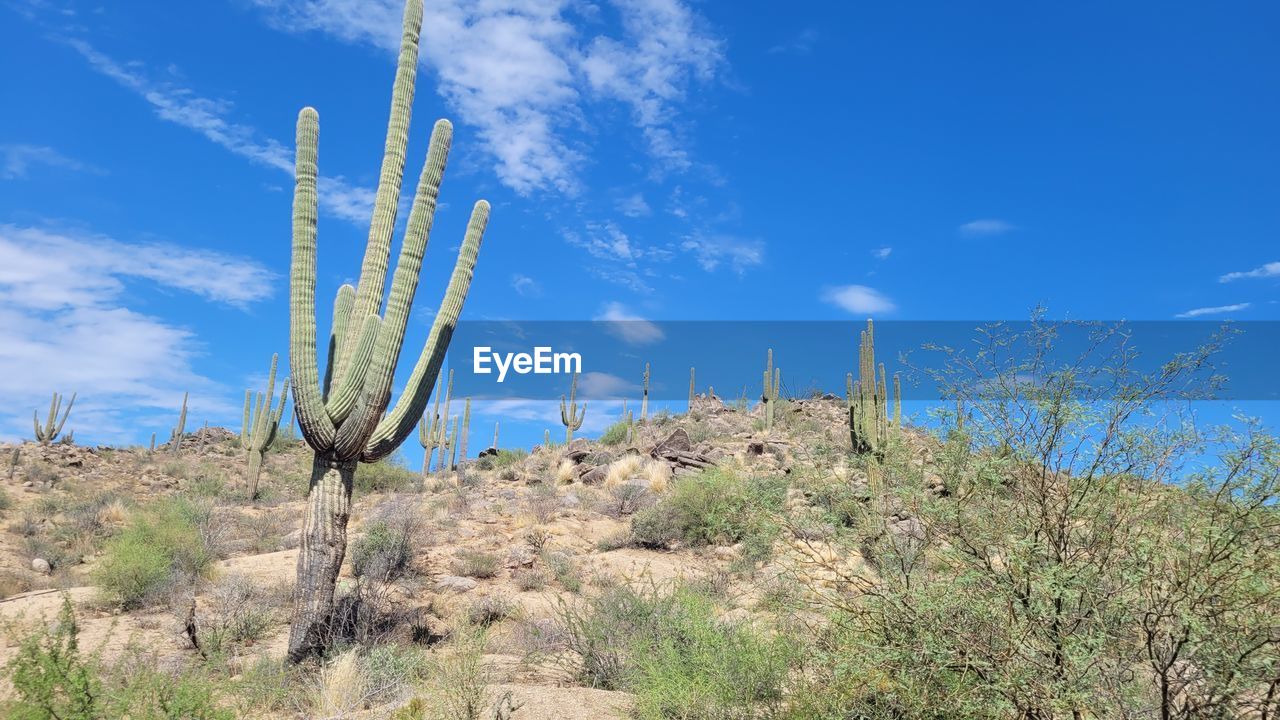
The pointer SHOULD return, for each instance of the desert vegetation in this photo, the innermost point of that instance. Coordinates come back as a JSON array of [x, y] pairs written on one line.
[[1058, 539]]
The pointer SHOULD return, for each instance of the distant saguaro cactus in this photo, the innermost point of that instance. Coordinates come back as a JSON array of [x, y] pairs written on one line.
[[345, 419], [466, 430], [691, 387], [571, 415], [432, 427], [769, 397], [47, 433], [495, 434], [179, 430], [644, 399], [867, 398], [261, 425]]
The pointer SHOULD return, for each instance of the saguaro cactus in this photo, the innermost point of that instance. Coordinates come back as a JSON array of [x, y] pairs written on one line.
[[571, 415], [769, 397], [691, 386], [345, 419], [47, 433], [644, 399], [179, 430], [261, 425], [432, 428], [466, 430], [897, 400], [495, 434], [867, 398]]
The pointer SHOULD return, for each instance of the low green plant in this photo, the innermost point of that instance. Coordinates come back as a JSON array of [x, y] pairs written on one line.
[[51, 681], [714, 507], [615, 434], [389, 475], [162, 545], [503, 458], [477, 564]]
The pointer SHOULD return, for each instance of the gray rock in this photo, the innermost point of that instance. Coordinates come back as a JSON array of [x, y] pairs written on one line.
[[41, 566], [454, 583]]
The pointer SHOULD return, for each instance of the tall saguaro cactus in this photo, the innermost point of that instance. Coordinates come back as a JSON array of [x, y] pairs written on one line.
[[466, 430], [179, 430], [691, 388], [769, 397], [261, 425], [867, 398], [644, 399], [344, 415], [571, 415], [432, 429], [47, 433]]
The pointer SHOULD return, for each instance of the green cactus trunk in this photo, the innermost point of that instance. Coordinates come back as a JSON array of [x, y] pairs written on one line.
[[346, 415], [180, 430], [495, 435], [466, 430], [691, 395], [47, 433], [769, 396], [571, 414]]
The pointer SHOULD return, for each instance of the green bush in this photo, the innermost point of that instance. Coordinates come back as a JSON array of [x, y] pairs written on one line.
[[504, 458], [389, 475], [50, 679], [161, 546], [383, 552], [477, 564], [714, 507], [615, 434]]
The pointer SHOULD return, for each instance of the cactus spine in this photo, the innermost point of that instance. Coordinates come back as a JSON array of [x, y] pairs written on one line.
[[179, 430], [261, 425], [47, 433], [644, 399], [866, 398], [571, 415], [772, 382], [346, 420]]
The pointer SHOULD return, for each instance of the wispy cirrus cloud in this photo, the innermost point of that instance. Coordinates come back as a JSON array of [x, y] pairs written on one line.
[[1269, 270], [711, 250], [1218, 310], [521, 72], [525, 285], [859, 299], [64, 325], [801, 44], [882, 253], [629, 327], [210, 118], [16, 161], [986, 227]]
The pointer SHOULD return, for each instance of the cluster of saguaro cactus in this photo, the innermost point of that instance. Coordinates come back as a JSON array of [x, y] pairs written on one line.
[[772, 385], [571, 414], [644, 398], [868, 399], [433, 429], [47, 433], [344, 416], [260, 426], [179, 430]]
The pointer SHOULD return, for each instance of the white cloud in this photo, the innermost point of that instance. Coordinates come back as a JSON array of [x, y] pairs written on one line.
[[603, 386], [979, 228], [713, 250], [1269, 270], [1219, 310], [525, 285], [629, 327], [882, 253], [801, 44], [17, 160], [63, 326], [633, 206], [518, 70], [859, 299], [208, 117]]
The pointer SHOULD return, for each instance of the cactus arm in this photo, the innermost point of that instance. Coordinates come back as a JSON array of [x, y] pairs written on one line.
[[337, 332], [65, 414], [373, 270], [246, 424], [396, 426], [317, 428], [352, 384]]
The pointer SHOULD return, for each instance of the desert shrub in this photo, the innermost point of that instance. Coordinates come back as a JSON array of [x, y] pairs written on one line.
[[503, 458], [166, 544], [615, 434], [666, 645], [477, 564], [137, 690], [490, 609], [386, 547], [565, 570], [51, 681], [387, 475], [713, 507], [529, 579], [624, 499], [237, 613], [543, 502], [6, 502]]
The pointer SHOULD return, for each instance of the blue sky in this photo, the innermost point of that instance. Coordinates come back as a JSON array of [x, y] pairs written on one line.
[[645, 159]]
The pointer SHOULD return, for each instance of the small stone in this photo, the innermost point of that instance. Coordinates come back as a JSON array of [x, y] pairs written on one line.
[[456, 584], [41, 566]]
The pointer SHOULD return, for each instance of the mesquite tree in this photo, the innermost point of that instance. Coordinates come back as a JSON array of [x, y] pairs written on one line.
[[343, 416]]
